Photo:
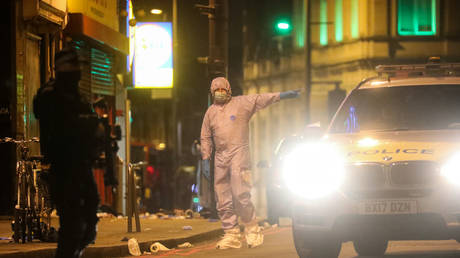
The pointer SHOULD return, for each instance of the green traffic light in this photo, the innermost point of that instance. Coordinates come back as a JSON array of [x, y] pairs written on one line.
[[283, 25]]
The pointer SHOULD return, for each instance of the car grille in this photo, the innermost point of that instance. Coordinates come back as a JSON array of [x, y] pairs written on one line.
[[373, 176], [414, 173], [365, 175]]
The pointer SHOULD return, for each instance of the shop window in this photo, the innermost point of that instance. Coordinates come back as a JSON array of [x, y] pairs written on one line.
[[323, 22], [300, 23], [354, 19], [338, 20], [416, 17]]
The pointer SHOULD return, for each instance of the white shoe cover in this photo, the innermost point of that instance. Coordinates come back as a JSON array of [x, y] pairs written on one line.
[[254, 236], [231, 239], [133, 247]]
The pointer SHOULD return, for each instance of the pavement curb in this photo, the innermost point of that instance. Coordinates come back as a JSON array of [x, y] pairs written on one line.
[[121, 249]]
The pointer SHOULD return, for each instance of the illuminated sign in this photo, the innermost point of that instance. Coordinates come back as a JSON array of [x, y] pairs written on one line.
[[153, 55]]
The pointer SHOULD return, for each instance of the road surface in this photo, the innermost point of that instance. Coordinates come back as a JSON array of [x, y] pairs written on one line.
[[279, 243]]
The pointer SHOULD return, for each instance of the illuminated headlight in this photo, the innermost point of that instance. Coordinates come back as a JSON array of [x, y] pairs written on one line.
[[451, 169], [314, 170]]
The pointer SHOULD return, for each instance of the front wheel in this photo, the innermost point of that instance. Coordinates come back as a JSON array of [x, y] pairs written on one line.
[[316, 245], [370, 246]]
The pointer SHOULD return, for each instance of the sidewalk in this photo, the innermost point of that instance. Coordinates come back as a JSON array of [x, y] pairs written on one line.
[[111, 231]]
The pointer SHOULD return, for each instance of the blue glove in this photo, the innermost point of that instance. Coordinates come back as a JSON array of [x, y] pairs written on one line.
[[291, 94], [206, 167]]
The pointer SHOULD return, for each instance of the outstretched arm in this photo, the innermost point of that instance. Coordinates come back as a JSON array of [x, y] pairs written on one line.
[[257, 102], [206, 138]]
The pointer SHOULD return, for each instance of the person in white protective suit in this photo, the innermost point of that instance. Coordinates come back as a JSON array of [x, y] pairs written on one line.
[[226, 128]]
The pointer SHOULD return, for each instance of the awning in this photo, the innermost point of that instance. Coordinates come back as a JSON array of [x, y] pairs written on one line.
[[81, 25]]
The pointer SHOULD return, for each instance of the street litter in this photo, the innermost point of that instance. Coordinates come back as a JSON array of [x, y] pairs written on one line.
[[185, 245], [155, 247], [178, 212], [104, 215], [147, 229], [145, 253], [187, 227], [266, 225], [133, 247], [189, 214], [161, 215]]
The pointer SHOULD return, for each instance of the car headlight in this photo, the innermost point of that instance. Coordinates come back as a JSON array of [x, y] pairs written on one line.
[[451, 169], [314, 170]]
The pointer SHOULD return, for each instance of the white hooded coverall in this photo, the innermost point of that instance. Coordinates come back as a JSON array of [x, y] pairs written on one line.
[[227, 125]]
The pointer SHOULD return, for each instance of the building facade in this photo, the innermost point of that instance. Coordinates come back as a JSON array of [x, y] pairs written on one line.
[[348, 39]]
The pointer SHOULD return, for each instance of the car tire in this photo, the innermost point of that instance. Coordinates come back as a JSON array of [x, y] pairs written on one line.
[[370, 246], [316, 245], [273, 209]]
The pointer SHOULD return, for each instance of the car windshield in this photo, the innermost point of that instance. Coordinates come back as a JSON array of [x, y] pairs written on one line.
[[428, 107]]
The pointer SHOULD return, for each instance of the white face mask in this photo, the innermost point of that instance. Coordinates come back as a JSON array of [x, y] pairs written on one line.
[[220, 97]]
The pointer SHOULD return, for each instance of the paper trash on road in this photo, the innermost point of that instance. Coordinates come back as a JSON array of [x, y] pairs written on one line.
[[187, 228], [266, 225], [185, 245], [189, 214], [133, 247], [155, 247]]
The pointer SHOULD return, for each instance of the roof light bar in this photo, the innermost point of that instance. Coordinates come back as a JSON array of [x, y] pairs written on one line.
[[419, 69]]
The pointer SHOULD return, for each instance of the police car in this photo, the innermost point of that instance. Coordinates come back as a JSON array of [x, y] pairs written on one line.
[[388, 167]]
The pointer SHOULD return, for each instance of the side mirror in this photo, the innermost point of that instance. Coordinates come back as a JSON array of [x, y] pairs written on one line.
[[117, 132], [263, 164]]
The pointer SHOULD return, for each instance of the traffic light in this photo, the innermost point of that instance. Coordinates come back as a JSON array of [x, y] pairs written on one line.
[[283, 27]]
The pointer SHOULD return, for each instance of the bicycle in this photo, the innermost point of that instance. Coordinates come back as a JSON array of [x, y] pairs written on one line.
[[32, 210]]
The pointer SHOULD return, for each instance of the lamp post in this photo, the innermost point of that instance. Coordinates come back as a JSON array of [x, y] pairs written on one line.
[[308, 60]]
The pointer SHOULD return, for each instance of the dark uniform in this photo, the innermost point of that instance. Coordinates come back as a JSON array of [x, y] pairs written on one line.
[[69, 143]]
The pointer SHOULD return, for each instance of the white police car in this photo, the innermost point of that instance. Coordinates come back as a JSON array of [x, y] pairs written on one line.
[[388, 167]]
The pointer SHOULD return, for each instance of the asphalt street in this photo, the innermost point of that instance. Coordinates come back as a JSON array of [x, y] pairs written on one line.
[[279, 243]]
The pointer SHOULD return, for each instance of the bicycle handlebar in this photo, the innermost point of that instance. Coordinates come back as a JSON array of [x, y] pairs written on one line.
[[8, 139]]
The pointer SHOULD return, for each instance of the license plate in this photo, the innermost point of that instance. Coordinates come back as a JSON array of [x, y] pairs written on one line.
[[388, 207]]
